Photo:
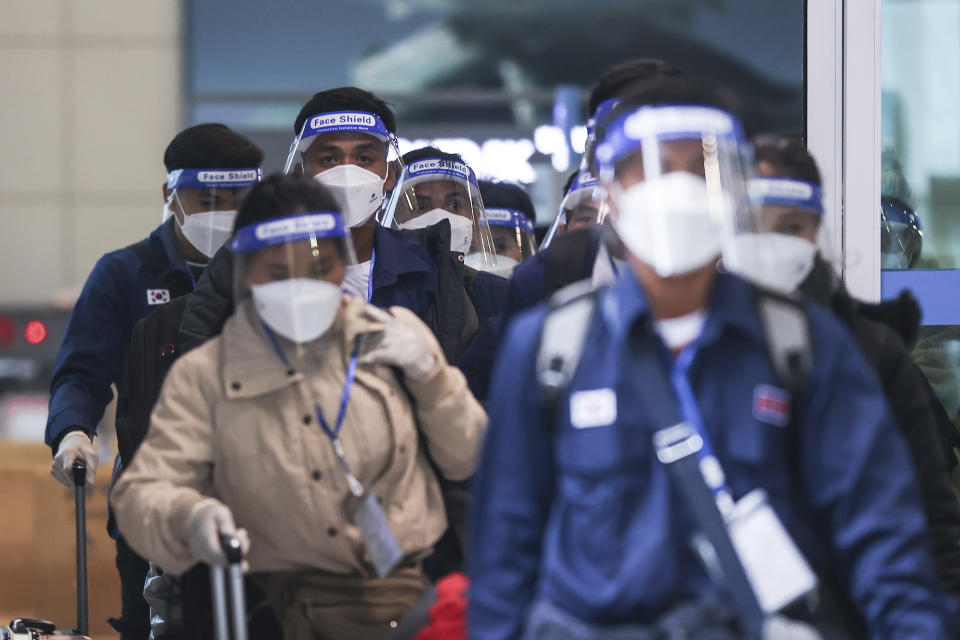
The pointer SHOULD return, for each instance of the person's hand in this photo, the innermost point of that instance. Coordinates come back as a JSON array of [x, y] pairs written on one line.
[[209, 519], [398, 345], [74, 446]]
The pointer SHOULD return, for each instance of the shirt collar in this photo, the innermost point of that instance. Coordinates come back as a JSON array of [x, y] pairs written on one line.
[[732, 305]]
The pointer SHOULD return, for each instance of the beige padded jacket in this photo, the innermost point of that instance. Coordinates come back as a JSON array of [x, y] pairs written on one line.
[[236, 423]]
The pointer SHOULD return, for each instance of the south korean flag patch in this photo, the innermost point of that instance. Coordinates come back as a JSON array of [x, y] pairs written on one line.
[[158, 296], [771, 405]]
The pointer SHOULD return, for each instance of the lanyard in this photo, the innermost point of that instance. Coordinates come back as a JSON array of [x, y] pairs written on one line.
[[373, 260], [334, 434], [709, 465]]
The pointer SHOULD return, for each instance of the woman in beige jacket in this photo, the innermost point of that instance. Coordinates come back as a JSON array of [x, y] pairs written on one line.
[[309, 423]]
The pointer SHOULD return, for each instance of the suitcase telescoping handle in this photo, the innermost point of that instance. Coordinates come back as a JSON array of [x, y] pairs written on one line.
[[79, 482], [238, 607]]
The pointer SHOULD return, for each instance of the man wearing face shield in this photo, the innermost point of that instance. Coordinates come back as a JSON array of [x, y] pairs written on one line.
[[511, 217], [583, 252], [303, 429], [209, 167], [437, 186], [345, 141], [584, 522], [787, 194]]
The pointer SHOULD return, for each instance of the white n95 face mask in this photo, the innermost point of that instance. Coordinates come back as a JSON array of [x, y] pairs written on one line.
[[503, 268], [773, 260], [207, 231], [358, 192], [299, 309], [461, 227], [665, 222]]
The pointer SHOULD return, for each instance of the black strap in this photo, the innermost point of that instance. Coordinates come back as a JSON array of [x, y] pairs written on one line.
[[683, 466], [155, 262], [569, 259]]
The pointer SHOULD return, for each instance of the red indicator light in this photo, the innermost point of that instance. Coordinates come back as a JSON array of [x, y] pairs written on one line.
[[35, 332]]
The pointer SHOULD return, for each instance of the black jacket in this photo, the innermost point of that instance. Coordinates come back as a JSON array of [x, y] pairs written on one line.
[[913, 405]]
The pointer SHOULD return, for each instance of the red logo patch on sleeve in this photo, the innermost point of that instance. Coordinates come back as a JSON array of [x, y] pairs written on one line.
[[771, 405]]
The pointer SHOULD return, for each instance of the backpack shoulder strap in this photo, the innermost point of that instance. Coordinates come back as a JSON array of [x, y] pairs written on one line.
[[787, 330], [566, 260], [562, 338], [156, 263]]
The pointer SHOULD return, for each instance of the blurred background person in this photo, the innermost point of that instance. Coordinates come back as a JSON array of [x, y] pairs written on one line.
[[787, 194], [511, 216], [210, 168]]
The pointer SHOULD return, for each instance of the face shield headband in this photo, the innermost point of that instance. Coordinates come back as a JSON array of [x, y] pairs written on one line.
[[213, 178], [498, 217], [335, 122], [786, 192], [662, 123], [307, 226]]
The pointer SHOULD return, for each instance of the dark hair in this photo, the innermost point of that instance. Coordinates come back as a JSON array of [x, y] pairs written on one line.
[[349, 99], [279, 196], [506, 195], [622, 76], [570, 180], [430, 152], [211, 146], [672, 91], [788, 155]]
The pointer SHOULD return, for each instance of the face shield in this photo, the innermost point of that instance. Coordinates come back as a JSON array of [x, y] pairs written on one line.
[[290, 271], [514, 241], [778, 248], [204, 203], [434, 189], [600, 115], [583, 207], [675, 179], [901, 235], [348, 152]]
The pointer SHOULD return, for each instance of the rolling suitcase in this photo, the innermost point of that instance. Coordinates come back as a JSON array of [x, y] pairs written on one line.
[[31, 629], [236, 619]]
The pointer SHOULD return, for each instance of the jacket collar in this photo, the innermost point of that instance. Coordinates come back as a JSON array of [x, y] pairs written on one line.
[[167, 239], [397, 254], [732, 306], [250, 366]]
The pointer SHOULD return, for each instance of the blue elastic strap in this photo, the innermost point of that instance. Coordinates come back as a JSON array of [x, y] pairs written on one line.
[[334, 433], [373, 261], [691, 413]]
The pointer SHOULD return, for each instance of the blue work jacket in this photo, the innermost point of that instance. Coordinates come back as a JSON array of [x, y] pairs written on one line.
[[585, 518], [118, 292], [404, 274]]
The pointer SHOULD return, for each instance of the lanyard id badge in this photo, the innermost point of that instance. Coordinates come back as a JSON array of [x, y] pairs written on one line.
[[775, 567], [377, 536], [369, 517]]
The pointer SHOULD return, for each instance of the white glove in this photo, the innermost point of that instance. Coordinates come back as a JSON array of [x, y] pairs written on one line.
[[208, 519], [399, 346], [74, 446]]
